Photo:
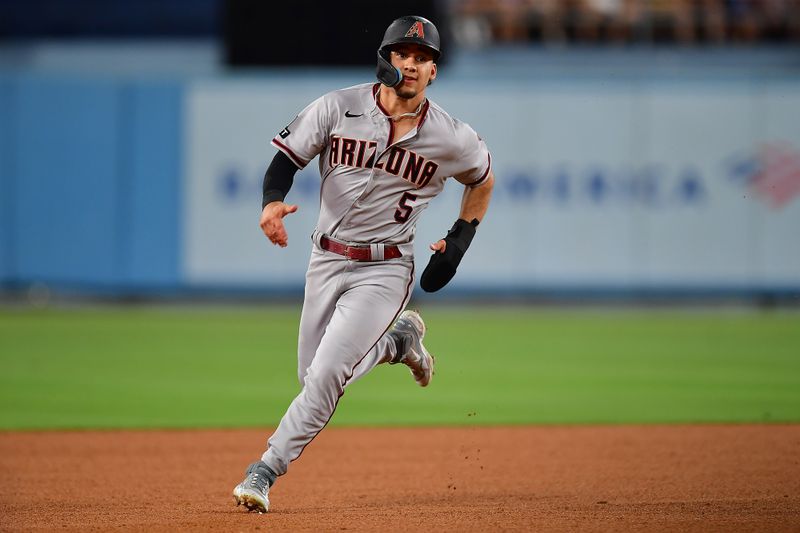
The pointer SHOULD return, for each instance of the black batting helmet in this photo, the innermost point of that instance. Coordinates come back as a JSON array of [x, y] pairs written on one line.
[[409, 29]]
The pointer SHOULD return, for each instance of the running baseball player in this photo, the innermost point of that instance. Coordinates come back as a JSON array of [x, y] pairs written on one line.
[[385, 150]]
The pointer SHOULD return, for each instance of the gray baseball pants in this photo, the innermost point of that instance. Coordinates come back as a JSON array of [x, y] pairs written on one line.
[[347, 310]]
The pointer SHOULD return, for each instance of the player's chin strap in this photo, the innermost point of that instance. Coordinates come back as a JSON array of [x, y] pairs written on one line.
[[387, 73]]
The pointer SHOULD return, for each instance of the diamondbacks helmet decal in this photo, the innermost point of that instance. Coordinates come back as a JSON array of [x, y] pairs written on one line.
[[416, 30]]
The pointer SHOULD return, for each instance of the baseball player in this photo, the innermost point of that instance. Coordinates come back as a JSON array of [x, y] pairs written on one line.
[[385, 150]]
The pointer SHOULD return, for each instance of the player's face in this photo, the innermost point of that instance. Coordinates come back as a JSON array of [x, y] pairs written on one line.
[[416, 64]]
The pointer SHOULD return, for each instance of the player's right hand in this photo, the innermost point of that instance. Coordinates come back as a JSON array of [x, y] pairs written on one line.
[[272, 222]]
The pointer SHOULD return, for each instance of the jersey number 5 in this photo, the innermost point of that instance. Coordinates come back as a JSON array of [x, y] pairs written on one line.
[[404, 211]]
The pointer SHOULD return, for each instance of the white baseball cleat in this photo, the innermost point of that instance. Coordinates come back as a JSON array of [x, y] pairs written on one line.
[[408, 332], [253, 491]]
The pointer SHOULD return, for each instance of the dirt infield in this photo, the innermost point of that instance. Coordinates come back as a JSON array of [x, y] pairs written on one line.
[[666, 478]]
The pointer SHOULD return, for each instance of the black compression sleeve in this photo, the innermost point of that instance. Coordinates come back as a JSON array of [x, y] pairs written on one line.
[[278, 179]]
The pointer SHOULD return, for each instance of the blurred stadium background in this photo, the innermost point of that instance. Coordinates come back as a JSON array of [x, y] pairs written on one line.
[[645, 152], [643, 148]]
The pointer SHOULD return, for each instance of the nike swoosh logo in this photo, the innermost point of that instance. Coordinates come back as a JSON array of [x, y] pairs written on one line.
[[349, 115]]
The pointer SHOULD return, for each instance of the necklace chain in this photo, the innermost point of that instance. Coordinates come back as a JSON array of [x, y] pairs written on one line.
[[395, 118]]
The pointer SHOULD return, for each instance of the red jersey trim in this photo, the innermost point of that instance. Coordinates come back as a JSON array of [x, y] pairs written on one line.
[[378, 101], [485, 174], [291, 155], [424, 114], [385, 113]]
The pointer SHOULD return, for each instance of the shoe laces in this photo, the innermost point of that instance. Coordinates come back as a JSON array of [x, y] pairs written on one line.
[[257, 480]]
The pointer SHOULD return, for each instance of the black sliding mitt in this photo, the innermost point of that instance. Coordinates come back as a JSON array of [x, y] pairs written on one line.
[[443, 265]]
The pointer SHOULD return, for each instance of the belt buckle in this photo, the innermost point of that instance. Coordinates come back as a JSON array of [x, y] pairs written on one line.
[[355, 252]]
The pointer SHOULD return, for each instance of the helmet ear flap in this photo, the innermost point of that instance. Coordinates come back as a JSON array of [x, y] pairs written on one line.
[[387, 73]]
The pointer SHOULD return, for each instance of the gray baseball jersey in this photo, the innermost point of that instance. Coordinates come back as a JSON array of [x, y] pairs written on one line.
[[371, 193]]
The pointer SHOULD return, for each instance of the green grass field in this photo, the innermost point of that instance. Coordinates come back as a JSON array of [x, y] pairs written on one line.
[[123, 367]]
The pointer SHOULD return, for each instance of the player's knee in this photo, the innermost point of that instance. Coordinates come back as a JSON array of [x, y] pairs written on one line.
[[325, 376]]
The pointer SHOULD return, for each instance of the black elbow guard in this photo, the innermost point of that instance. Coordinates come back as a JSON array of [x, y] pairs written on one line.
[[443, 265]]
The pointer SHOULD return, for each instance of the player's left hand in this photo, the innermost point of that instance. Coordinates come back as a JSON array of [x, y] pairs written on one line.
[[439, 246], [448, 253]]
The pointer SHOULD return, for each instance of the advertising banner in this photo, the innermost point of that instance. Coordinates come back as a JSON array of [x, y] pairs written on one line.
[[692, 185]]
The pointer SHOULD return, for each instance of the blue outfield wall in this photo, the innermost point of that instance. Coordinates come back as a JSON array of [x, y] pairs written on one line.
[[91, 168], [68, 186], [6, 181], [152, 179]]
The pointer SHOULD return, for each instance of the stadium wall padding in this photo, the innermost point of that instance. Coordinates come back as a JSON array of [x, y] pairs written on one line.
[[7, 181], [92, 186]]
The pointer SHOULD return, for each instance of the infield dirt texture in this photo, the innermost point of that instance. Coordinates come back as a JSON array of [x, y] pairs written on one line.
[[628, 478], [536, 420]]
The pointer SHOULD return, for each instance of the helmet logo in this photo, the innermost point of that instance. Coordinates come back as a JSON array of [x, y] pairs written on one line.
[[416, 30]]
